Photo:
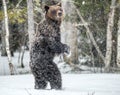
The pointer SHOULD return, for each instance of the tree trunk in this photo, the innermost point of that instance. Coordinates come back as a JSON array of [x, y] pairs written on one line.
[[22, 56], [69, 33], [23, 52], [118, 44], [71, 40], [7, 38], [31, 31], [109, 36], [3, 50]]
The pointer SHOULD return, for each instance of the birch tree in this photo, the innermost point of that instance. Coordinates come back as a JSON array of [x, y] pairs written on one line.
[[118, 44], [109, 36], [3, 49], [7, 38], [31, 31]]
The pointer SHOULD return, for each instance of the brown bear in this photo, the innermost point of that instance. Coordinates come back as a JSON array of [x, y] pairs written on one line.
[[46, 45]]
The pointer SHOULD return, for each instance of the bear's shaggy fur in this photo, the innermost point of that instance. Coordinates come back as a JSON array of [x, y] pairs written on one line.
[[46, 45]]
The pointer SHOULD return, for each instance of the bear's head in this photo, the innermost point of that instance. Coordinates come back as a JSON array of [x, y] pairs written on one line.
[[54, 12]]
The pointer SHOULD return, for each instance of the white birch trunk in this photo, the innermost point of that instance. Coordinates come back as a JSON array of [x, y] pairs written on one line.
[[118, 44], [3, 50], [31, 31], [109, 36], [7, 38]]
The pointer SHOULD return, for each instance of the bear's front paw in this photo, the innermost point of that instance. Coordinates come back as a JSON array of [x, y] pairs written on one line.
[[66, 49]]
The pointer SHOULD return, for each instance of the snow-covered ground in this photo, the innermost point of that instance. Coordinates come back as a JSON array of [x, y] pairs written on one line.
[[4, 67], [73, 84]]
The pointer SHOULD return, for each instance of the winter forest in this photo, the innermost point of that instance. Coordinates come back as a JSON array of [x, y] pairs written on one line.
[[90, 28]]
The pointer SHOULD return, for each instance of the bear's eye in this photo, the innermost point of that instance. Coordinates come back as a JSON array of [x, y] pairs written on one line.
[[53, 12]]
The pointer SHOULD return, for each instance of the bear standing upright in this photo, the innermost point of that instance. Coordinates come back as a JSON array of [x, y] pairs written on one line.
[[46, 45]]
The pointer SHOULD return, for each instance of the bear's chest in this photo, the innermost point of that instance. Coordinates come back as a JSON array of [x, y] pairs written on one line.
[[51, 31]]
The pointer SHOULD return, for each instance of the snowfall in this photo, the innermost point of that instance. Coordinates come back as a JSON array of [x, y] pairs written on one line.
[[73, 84]]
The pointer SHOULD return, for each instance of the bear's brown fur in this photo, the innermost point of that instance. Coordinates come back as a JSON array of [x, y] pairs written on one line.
[[46, 45]]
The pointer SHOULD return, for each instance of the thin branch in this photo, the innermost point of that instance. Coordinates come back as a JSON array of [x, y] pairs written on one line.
[[18, 3], [81, 24]]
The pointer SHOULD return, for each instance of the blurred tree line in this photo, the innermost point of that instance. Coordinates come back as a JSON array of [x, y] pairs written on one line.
[[89, 52], [96, 14], [17, 24]]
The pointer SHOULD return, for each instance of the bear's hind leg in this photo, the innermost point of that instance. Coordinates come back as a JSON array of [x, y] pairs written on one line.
[[54, 77], [40, 83], [56, 84]]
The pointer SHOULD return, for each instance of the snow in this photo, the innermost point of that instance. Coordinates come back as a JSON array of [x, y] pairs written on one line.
[[4, 67], [73, 84]]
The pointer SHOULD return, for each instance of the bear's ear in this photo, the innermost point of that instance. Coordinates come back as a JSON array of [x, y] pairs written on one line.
[[46, 8], [59, 4]]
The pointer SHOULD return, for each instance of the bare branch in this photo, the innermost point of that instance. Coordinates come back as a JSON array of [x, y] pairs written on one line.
[[18, 3], [81, 24]]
